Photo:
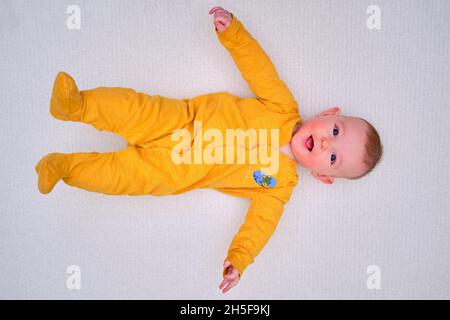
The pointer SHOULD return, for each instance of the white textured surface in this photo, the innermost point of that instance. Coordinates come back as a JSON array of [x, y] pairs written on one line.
[[172, 247]]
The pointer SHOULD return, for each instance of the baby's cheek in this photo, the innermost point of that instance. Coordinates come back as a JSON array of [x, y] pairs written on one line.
[[315, 126], [316, 161], [307, 161]]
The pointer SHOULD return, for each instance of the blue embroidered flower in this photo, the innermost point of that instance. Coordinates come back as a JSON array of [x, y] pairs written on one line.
[[263, 179]]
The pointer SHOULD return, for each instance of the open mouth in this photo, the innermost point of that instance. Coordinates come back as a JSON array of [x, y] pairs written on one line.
[[309, 143]]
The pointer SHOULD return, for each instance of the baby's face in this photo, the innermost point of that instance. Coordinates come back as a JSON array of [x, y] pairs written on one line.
[[336, 143]]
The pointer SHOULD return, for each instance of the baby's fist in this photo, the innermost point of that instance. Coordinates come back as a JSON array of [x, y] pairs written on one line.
[[222, 18]]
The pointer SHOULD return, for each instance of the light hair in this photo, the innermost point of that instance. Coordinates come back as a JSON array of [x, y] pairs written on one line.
[[373, 150]]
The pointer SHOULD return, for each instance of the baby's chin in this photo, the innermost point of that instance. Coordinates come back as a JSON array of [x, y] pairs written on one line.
[[297, 148]]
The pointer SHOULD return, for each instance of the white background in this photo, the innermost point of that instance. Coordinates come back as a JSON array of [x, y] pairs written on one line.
[[172, 247]]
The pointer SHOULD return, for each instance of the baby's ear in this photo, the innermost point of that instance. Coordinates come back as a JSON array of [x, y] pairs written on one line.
[[324, 178], [330, 112]]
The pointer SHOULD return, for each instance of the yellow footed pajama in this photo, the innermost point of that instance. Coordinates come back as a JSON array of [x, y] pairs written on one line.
[[51, 169], [66, 99], [147, 123], [137, 117]]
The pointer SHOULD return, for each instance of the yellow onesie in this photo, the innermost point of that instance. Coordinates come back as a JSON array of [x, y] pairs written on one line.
[[148, 123]]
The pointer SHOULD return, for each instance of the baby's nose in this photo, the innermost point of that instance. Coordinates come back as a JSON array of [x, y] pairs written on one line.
[[324, 143]]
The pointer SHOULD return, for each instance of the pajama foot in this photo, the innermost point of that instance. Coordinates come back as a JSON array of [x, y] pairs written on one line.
[[66, 100], [51, 168]]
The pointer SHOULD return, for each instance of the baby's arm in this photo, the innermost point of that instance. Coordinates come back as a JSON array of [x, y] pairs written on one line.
[[253, 63], [260, 223]]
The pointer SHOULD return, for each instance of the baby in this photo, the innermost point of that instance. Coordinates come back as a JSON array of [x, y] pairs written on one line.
[[155, 162]]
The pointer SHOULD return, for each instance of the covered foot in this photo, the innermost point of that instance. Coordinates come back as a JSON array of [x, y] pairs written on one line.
[[51, 168], [66, 100]]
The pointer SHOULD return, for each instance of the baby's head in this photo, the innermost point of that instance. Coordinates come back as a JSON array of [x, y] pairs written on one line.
[[340, 146]]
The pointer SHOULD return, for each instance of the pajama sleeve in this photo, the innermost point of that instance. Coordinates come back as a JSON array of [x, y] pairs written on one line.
[[261, 221], [257, 68]]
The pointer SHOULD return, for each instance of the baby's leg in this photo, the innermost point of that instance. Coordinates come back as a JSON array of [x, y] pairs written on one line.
[[136, 116], [124, 172]]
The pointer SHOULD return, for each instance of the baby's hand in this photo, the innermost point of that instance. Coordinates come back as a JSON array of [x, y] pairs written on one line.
[[222, 18], [231, 278]]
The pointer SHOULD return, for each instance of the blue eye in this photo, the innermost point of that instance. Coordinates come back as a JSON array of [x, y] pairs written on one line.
[[335, 133], [335, 130], [333, 158]]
